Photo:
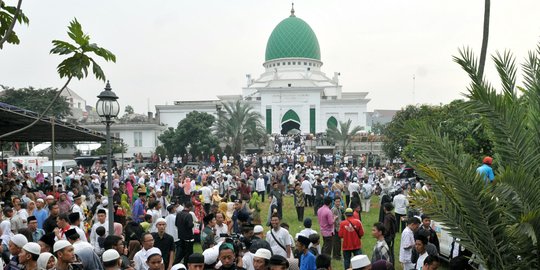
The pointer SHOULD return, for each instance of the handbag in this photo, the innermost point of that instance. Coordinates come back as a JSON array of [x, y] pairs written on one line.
[[275, 239], [357, 233]]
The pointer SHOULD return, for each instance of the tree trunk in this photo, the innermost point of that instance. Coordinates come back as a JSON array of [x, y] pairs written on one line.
[[485, 38]]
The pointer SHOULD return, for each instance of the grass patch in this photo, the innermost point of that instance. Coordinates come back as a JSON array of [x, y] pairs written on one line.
[[368, 219]]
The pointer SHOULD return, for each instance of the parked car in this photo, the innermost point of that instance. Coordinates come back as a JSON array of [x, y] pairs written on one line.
[[60, 165], [89, 162]]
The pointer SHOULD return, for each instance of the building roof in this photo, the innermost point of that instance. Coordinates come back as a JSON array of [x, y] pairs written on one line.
[[13, 118], [292, 38]]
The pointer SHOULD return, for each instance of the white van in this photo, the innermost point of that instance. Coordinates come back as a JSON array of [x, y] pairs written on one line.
[[30, 163], [61, 165]]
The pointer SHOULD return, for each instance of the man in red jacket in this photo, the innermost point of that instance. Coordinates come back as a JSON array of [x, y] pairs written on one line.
[[350, 230]]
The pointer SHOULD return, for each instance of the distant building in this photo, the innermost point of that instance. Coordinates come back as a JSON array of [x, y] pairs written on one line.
[[292, 92], [379, 117], [77, 105], [139, 132]]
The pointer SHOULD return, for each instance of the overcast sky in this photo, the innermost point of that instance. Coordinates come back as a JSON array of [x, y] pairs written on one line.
[[171, 50]]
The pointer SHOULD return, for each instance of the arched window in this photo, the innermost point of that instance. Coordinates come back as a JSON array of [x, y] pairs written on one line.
[[332, 122]]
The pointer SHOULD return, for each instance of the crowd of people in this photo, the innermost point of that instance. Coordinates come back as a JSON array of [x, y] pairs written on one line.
[[160, 215]]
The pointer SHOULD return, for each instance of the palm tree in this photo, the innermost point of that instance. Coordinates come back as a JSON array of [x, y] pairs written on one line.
[[343, 134], [485, 37], [238, 124], [500, 221]]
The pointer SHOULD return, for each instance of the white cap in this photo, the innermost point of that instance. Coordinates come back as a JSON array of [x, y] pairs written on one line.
[[50, 197], [41, 200], [104, 202], [110, 255], [178, 266], [60, 244], [263, 253], [33, 248], [359, 261], [258, 229], [19, 240], [161, 220], [153, 251]]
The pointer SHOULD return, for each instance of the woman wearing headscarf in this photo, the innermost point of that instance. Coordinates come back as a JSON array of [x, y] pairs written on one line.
[[197, 205], [129, 189], [223, 209], [254, 206], [64, 203], [5, 228], [46, 261], [216, 199]]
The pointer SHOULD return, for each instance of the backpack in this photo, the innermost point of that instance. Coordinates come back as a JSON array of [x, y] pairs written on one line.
[[365, 193]]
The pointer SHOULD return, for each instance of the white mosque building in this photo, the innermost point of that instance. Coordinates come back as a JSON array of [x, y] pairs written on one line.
[[292, 93]]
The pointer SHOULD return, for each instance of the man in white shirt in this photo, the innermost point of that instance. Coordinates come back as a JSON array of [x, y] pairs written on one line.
[[101, 222], [407, 243], [221, 227], [400, 208], [76, 208], [140, 257], [260, 187], [307, 188], [279, 238], [354, 186], [164, 203], [75, 223], [206, 192], [420, 243], [365, 198]]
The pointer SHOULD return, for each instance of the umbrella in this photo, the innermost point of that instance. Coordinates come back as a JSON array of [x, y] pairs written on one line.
[[40, 147]]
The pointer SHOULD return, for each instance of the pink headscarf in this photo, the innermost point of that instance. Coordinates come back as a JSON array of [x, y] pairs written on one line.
[[129, 188], [118, 228]]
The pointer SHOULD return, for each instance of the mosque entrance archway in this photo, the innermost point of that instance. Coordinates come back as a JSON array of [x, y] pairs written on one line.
[[290, 123]]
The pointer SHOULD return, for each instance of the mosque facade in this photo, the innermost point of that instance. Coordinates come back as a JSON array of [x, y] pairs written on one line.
[[292, 94]]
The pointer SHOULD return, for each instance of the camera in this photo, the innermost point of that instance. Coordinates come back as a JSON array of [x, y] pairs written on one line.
[[238, 242]]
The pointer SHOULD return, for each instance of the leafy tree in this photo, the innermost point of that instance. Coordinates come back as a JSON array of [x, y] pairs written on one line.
[[343, 134], [33, 100], [116, 147], [9, 16], [454, 119], [75, 66], [238, 124], [195, 129], [500, 221], [129, 110]]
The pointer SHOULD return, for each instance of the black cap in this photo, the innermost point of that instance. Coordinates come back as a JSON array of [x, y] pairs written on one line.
[[72, 232], [48, 239], [208, 218], [77, 196], [304, 240], [279, 260], [243, 216], [30, 218], [101, 211], [195, 258], [73, 217]]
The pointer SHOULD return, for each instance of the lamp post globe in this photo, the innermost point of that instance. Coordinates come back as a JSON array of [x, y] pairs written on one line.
[[107, 108]]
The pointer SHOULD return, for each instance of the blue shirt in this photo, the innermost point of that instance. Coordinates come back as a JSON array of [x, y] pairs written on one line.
[[138, 210], [487, 172], [307, 261], [41, 216]]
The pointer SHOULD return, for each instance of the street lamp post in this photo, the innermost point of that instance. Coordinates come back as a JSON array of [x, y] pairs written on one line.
[[107, 108], [188, 148]]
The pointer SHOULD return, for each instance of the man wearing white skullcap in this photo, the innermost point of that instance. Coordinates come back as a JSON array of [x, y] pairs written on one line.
[[29, 255], [65, 253], [16, 243], [111, 259]]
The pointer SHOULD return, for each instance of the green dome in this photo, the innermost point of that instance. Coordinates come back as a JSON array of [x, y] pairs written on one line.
[[292, 38]]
